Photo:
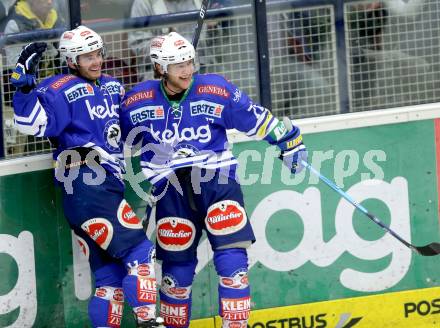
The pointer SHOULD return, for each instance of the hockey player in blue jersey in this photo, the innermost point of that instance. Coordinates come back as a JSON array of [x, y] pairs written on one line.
[[79, 112], [181, 121]]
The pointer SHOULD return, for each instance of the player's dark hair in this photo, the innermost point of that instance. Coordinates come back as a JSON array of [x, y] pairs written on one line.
[[157, 74]]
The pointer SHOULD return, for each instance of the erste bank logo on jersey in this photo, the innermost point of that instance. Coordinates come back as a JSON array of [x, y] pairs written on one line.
[[208, 108], [147, 113], [79, 91]]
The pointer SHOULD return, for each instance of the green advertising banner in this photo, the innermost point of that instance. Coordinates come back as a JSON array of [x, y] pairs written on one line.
[[311, 244]]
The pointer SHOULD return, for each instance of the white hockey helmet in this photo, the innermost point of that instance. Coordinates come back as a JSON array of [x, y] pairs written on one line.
[[171, 49], [78, 41]]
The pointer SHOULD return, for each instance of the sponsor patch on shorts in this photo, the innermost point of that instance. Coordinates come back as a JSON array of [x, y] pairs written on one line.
[[100, 230], [127, 217], [225, 217], [175, 234]]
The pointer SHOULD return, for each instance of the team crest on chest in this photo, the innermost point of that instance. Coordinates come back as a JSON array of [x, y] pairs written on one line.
[[112, 135]]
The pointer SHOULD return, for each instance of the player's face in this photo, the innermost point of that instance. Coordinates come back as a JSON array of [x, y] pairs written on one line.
[[90, 64], [180, 75]]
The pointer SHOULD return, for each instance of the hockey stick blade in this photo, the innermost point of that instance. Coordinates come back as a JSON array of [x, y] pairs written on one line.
[[431, 249], [428, 250]]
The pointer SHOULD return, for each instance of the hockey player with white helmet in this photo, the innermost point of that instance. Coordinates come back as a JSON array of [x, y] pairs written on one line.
[[79, 112], [181, 122]]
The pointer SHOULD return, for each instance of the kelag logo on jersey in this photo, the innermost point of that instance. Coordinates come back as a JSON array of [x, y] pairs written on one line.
[[79, 91], [203, 107], [102, 112], [201, 134], [147, 113]]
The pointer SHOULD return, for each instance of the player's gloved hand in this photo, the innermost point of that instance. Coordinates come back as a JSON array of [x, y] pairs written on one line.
[[23, 76], [293, 151]]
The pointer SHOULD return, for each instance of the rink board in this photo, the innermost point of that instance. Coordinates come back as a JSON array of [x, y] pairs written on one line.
[[311, 245], [409, 309]]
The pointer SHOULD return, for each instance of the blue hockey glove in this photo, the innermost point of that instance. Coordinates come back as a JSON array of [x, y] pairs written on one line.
[[23, 76], [293, 151]]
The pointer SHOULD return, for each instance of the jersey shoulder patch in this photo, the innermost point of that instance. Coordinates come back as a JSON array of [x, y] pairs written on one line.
[[142, 93], [60, 81], [212, 85], [52, 87]]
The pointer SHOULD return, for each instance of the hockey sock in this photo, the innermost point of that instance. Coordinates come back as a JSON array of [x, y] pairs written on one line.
[[233, 290], [107, 304], [175, 293], [140, 282]]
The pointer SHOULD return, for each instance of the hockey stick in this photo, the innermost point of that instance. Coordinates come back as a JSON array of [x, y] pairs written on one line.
[[427, 250], [200, 20]]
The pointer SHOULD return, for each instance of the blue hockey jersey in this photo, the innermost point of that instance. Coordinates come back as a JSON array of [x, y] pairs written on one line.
[[191, 132], [77, 113]]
